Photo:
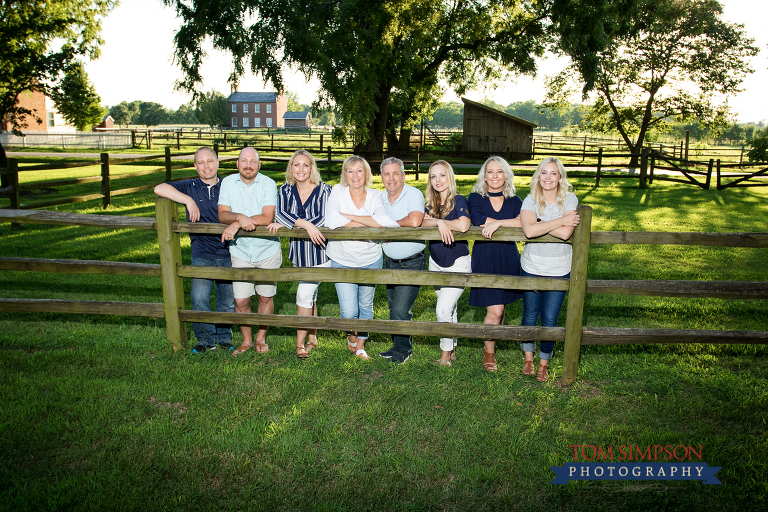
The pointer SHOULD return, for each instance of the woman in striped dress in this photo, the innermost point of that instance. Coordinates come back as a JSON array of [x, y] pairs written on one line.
[[301, 203]]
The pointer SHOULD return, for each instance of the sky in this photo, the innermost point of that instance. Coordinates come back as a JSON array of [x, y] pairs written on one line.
[[136, 63]]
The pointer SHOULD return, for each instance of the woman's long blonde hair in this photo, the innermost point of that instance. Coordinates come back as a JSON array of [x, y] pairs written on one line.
[[563, 187], [433, 196], [481, 187], [314, 174]]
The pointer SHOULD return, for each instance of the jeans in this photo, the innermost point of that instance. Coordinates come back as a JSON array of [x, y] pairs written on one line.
[[545, 304], [401, 298], [448, 297], [210, 334], [356, 300]]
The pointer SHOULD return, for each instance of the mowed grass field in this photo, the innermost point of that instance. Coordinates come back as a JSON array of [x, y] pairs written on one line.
[[99, 414]]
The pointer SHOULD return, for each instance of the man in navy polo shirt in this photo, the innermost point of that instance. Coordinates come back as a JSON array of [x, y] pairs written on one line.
[[201, 197]]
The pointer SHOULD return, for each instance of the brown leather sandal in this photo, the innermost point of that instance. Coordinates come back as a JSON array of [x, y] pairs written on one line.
[[301, 352], [261, 346], [542, 373], [489, 361], [528, 368]]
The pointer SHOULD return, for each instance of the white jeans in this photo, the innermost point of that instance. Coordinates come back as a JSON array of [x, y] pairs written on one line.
[[306, 293], [448, 296]]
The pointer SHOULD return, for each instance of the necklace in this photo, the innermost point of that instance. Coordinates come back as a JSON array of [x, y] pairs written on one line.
[[495, 194]]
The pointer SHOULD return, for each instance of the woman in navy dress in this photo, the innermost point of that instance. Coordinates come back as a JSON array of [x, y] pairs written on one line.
[[492, 205]]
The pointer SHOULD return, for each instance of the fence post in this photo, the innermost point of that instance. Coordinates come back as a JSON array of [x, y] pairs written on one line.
[[216, 149], [272, 143], [166, 213], [687, 141], [584, 150], [533, 150], [178, 141], [13, 165], [149, 139], [741, 157], [418, 162], [719, 185], [652, 167], [643, 167], [709, 172], [105, 191], [599, 167], [577, 291], [225, 141], [133, 139], [167, 163], [329, 162], [321, 142]]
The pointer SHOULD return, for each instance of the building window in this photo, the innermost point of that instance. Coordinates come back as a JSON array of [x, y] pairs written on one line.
[[269, 121], [258, 109], [234, 108], [257, 122], [234, 122], [269, 109], [51, 124], [245, 109], [245, 122]]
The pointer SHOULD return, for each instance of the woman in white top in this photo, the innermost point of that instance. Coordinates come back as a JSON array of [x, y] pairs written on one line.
[[549, 209], [352, 204]]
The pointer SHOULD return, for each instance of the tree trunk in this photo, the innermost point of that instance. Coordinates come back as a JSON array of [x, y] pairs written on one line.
[[373, 148], [5, 179]]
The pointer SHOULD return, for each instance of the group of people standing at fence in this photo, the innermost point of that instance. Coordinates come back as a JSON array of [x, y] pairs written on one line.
[[249, 199]]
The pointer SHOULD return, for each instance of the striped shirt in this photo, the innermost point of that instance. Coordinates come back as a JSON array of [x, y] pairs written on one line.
[[301, 251]]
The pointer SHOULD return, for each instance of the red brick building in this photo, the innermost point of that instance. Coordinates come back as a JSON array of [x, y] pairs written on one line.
[[44, 108], [257, 109]]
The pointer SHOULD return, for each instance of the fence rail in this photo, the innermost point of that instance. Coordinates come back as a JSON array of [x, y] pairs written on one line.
[[573, 334]]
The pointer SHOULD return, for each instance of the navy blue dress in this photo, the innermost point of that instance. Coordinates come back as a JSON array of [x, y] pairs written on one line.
[[491, 257]]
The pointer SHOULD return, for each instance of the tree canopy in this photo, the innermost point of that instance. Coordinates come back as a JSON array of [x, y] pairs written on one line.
[[40, 40], [381, 64], [76, 98], [680, 64], [212, 108]]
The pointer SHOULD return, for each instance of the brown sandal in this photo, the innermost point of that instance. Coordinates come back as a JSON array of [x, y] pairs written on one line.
[[261, 346], [528, 368], [542, 374], [302, 352], [311, 345], [489, 361]]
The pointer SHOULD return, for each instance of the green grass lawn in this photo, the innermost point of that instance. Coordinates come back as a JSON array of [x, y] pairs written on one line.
[[99, 414]]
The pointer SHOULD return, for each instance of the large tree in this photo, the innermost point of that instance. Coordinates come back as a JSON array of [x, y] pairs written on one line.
[[38, 41], [212, 108], [680, 64], [76, 98], [381, 64]]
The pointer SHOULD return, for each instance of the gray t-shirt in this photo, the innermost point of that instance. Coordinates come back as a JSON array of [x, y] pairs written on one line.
[[551, 260]]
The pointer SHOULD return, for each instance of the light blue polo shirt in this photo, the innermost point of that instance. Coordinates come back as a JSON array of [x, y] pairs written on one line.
[[250, 200], [411, 199]]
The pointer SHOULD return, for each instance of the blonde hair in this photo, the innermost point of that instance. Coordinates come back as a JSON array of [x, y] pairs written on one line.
[[433, 196], [349, 162], [563, 187], [481, 187], [314, 174]]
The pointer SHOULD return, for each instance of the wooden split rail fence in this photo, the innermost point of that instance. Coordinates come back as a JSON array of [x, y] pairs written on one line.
[[574, 334]]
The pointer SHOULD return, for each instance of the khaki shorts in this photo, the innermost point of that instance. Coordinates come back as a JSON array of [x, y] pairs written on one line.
[[245, 289]]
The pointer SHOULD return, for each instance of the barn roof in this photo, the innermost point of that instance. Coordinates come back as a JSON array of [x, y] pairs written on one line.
[[498, 112], [296, 115], [252, 97]]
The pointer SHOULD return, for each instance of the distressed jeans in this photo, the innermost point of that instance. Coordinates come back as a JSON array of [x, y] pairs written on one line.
[[545, 305]]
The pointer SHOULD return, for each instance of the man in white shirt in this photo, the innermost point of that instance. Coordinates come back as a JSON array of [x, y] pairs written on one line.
[[405, 205]]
